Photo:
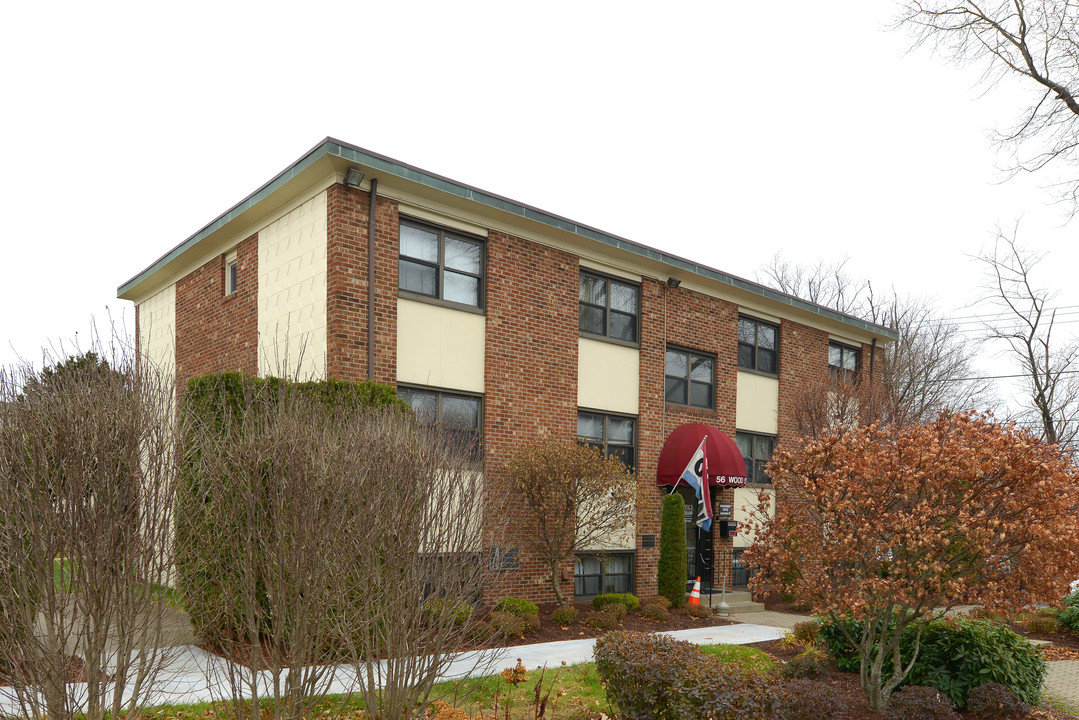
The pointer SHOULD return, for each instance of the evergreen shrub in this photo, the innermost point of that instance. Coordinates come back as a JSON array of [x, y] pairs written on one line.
[[672, 550], [628, 600], [517, 606]]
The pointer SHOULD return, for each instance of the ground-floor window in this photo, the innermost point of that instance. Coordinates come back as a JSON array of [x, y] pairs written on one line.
[[606, 573], [740, 572]]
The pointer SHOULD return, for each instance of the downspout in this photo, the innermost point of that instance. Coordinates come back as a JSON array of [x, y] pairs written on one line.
[[872, 358], [371, 281]]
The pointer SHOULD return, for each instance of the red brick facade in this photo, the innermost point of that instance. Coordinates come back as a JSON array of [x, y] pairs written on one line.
[[530, 355], [216, 332]]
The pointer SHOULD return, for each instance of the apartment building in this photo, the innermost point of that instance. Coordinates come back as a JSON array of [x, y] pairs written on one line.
[[505, 321]]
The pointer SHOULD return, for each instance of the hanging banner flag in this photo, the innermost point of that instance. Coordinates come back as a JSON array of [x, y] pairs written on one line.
[[696, 476]]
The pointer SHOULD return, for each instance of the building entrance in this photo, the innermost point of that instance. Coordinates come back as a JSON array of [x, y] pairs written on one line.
[[699, 557]]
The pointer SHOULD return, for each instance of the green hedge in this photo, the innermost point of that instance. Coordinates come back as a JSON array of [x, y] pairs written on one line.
[[672, 550], [222, 400], [629, 600], [955, 656], [517, 606], [1069, 616]]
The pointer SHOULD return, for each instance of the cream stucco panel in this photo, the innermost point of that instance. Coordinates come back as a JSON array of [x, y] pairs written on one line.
[[292, 293], [608, 376], [746, 501], [157, 333], [758, 404], [440, 346]]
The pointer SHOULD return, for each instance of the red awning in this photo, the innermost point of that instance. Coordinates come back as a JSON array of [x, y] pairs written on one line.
[[725, 463]]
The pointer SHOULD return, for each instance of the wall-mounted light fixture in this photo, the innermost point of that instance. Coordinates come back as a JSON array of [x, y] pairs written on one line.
[[353, 177], [673, 282]]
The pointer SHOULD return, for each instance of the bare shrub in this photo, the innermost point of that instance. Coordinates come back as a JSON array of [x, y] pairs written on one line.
[[87, 474], [348, 537]]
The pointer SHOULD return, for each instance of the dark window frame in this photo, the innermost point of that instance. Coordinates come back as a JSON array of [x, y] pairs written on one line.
[[838, 371], [605, 445], [755, 468], [440, 266], [602, 556], [690, 354], [756, 345], [606, 335], [477, 443]]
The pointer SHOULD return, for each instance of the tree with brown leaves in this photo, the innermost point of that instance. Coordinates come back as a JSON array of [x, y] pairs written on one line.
[[574, 498], [890, 524]]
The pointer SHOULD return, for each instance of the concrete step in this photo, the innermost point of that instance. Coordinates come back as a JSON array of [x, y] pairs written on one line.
[[740, 601]]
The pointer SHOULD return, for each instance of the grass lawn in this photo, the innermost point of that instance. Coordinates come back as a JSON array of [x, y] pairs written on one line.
[[574, 689]]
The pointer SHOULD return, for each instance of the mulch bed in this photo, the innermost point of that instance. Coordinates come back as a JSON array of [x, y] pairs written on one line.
[[1060, 639], [549, 631], [74, 672]]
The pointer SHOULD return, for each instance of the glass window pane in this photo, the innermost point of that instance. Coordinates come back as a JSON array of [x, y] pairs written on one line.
[[676, 364], [747, 332], [766, 337], [463, 255], [424, 404], [417, 278], [590, 426], [623, 327], [764, 448], [620, 430], [618, 564], [593, 290], [624, 297], [766, 360], [674, 390], [701, 369], [623, 453], [700, 395], [850, 360], [419, 243], [835, 356], [589, 565], [462, 288], [460, 412], [591, 585], [745, 356], [593, 320]]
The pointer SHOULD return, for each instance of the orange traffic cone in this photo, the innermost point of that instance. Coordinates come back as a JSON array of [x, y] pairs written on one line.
[[695, 595]]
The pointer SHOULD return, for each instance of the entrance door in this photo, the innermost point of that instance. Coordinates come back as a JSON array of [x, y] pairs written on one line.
[[698, 543]]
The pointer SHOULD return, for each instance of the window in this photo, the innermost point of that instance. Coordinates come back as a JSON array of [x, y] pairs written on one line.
[[614, 435], [843, 360], [608, 573], [460, 415], [690, 379], [230, 273], [758, 345], [610, 308], [440, 264], [756, 451]]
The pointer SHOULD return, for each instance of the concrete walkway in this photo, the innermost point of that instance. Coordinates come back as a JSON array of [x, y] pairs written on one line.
[[1062, 685], [192, 675]]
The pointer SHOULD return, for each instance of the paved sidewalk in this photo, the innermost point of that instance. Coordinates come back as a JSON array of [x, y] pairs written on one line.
[[1062, 684], [193, 675]]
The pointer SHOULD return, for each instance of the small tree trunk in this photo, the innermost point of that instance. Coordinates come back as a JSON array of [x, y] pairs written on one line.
[[556, 583]]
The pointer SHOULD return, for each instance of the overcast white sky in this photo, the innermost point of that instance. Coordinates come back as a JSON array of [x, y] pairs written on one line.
[[718, 131]]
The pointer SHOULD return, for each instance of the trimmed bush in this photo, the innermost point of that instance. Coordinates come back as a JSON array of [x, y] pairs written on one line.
[[672, 550], [699, 612], [1068, 618], [806, 632], [510, 625], [628, 600], [517, 606], [617, 610], [659, 600], [565, 615], [481, 631], [993, 701], [654, 611], [812, 664], [602, 620], [924, 703], [956, 655], [1041, 624], [655, 677], [459, 614], [804, 699]]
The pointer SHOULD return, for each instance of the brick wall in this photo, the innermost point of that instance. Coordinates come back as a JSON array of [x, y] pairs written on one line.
[[690, 320], [530, 376], [346, 285], [215, 332], [803, 358]]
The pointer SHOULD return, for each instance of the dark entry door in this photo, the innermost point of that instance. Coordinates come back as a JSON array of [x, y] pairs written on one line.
[[699, 558]]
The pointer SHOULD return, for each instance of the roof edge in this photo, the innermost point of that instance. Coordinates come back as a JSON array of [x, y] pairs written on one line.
[[353, 153]]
